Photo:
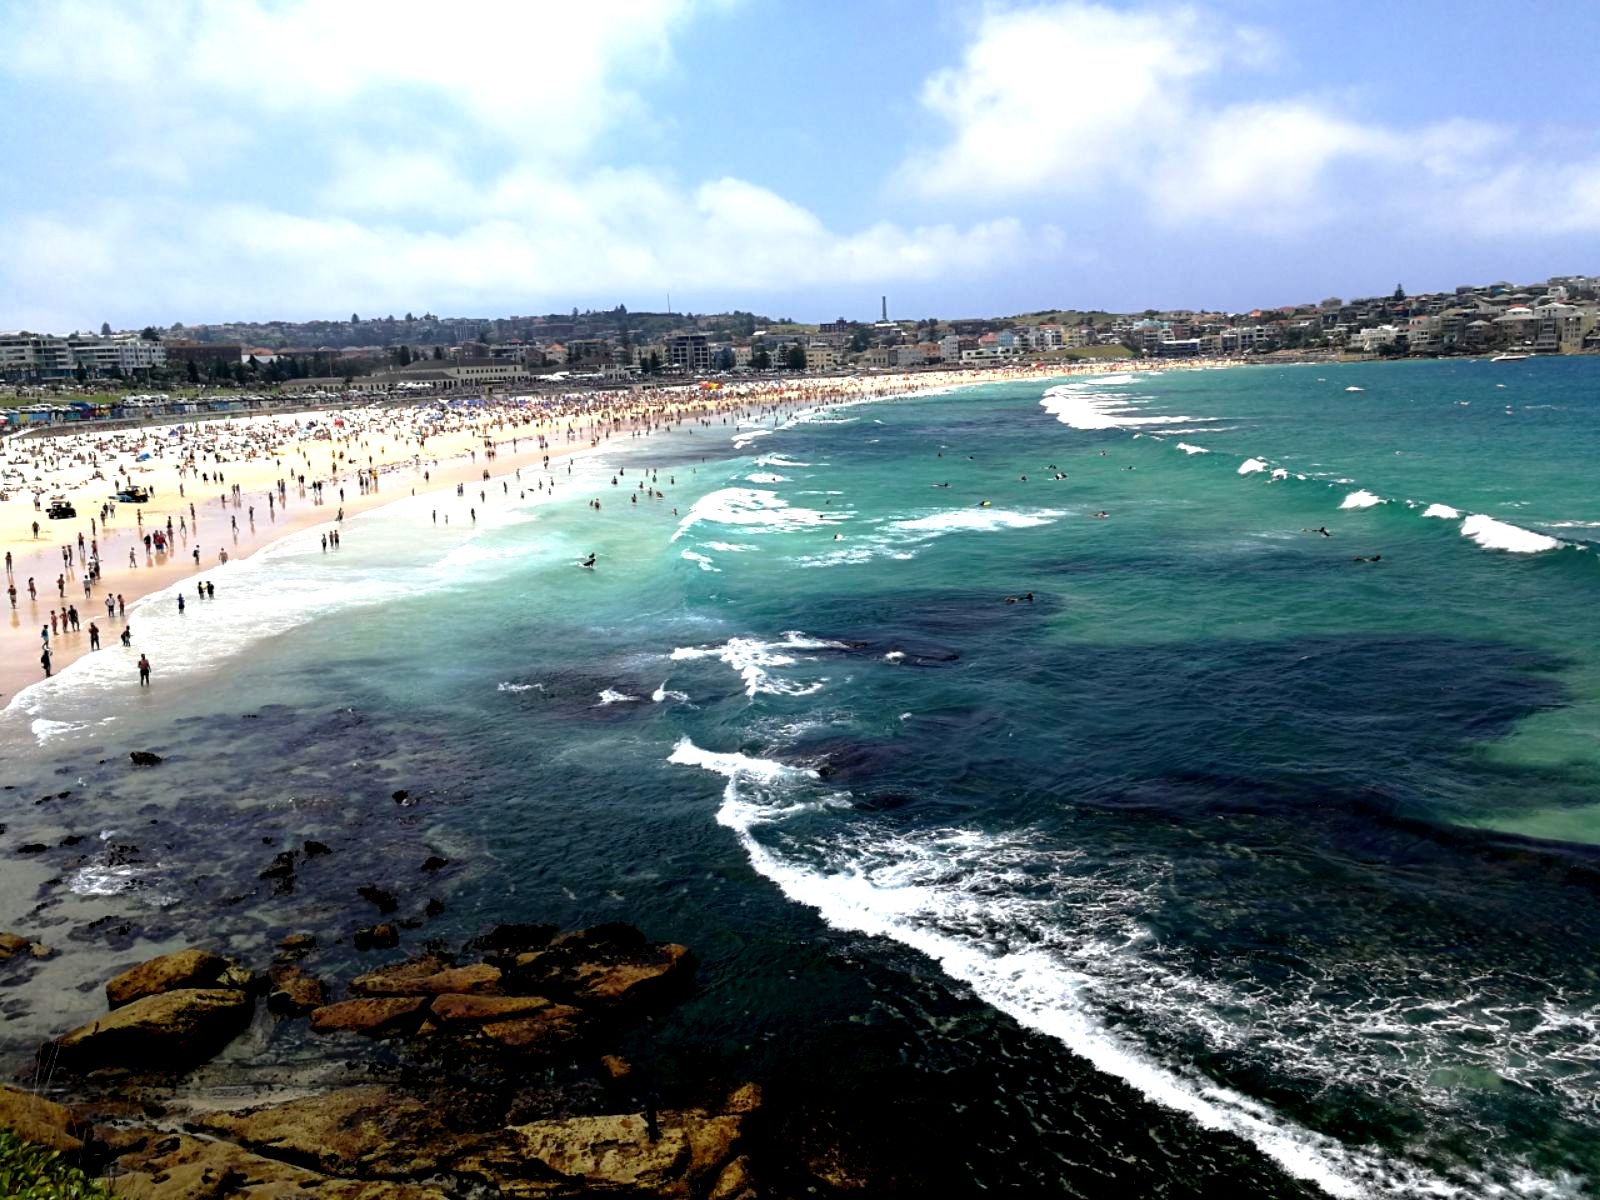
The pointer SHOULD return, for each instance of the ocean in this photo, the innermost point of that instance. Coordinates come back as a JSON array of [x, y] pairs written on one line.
[[1142, 785]]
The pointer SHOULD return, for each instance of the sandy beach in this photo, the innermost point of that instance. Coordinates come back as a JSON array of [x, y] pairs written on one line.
[[223, 489]]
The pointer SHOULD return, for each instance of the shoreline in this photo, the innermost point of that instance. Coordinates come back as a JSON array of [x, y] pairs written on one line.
[[536, 430]]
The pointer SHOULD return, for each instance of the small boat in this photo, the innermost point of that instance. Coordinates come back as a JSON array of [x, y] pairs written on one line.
[[1508, 357]]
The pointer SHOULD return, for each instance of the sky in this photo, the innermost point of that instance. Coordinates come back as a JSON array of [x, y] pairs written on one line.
[[205, 161]]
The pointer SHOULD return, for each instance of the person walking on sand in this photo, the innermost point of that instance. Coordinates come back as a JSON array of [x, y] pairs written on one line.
[[44, 661], [144, 671]]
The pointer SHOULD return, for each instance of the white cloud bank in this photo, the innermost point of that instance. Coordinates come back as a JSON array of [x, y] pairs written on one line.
[[1070, 99], [533, 90]]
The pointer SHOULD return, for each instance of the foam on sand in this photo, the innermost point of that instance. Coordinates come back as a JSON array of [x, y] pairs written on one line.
[[1362, 499], [1497, 535]]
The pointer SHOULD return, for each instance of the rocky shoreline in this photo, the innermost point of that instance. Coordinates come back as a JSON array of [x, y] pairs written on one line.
[[506, 1081]]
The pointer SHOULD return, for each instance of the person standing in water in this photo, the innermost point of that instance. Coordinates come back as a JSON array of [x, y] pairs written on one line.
[[144, 671]]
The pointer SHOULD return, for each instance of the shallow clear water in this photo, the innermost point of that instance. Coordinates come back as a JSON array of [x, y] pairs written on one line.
[[1294, 845]]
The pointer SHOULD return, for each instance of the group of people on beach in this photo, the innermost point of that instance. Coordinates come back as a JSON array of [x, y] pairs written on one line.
[[209, 464]]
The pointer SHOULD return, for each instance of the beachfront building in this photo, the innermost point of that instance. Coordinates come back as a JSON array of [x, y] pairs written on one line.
[[128, 353], [821, 357], [688, 353], [34, 357]]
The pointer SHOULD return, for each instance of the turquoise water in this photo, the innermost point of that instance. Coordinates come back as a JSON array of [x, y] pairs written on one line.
[[1226, 861]]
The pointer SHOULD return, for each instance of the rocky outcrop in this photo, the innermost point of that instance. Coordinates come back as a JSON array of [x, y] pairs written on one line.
[[294, 993], [165, 1032], [385, 1017], [375, 1133], [184, 969], [144, 758], [37, 1120], [429, 975], [610, 966], [14, 945]]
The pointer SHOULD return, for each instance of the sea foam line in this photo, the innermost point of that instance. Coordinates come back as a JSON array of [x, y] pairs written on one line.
[[1031, 985]]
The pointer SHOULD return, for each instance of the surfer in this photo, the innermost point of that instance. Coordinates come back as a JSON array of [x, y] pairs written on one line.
[[1368, 558], [588, 562], [1322, 529]]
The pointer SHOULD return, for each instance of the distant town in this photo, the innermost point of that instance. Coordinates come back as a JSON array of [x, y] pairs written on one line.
[[429, 353]]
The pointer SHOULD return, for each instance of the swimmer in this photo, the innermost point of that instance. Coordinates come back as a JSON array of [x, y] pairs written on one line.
[[838, 537], [588, 562], [1368, 558], [1101, 513], [1322, 529]]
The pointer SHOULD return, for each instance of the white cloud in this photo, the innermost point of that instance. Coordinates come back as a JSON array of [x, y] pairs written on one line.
[[564, 71], [1069, 99], [599, 236]]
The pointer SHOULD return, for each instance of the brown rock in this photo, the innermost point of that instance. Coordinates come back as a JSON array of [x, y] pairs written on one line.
[[295, 993], [374, 1017], [372, 1132], [388, 980], [605, 974], [166, 1166], [171, 1030], [169, 972], [735, 1182], [298, 943], [38, 1120], [616, 1154], [12, 943], [615, 1066], [464, 1008], [549, 1030], [415, 978]]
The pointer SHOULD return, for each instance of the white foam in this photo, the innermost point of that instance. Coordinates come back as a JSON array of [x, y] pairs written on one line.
[[978, 520], [520, 687], [1188, 449], [1353, 388], [1070, 404], [1361, 499], [899, 894], [895, 656], [1251, 466], [766, 477], [779, 461], [1279, 473], [741, 440], [612, 696], [754, 660], [1497, 535], [661, 695], [1442, 511], [754, 510], [704, 563]]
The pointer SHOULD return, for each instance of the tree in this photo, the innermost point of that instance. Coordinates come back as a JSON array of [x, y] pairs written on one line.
[[726, 359], [409, 318], [795, 360], [1399, 292], [761, 360], [859, 340], [151, 334], [438, 353], [194, 371], [354, 319], [653, 364], [105, 328]]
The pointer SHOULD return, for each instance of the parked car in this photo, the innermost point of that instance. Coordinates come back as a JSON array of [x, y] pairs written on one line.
[[59, 508]]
